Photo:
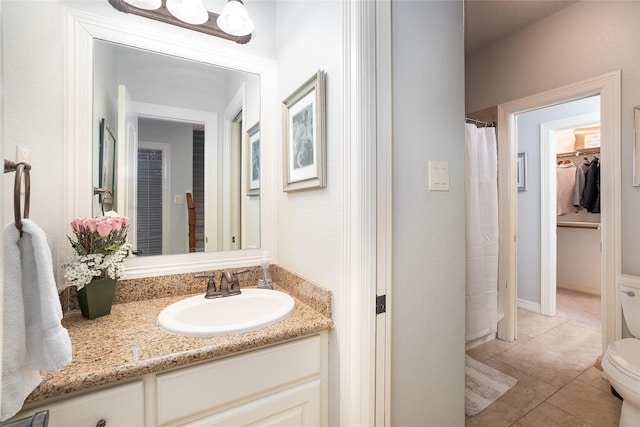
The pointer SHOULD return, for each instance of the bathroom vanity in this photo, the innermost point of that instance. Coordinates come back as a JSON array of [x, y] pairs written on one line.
[[127, 371], [282, 384]]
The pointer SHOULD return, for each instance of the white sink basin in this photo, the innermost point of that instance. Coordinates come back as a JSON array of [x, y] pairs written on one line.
[[252, 309]]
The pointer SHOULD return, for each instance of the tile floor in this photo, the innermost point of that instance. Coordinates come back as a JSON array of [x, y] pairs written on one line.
[[553, 361]]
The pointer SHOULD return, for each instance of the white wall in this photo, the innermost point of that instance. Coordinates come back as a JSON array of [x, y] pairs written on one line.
[[310, 226], [427, 377], [584, 40], [32, 46], [529, 249]]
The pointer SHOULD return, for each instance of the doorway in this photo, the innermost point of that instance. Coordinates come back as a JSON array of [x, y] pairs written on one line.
[[545, 201], [608, 87], [152, 199]]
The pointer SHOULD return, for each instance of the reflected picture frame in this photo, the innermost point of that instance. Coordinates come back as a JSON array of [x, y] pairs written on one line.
[[521, 171], [304, 145], [253, 160], [107, 160]]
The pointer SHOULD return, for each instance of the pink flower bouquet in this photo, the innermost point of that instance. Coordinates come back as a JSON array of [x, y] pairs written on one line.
[[101, 248]]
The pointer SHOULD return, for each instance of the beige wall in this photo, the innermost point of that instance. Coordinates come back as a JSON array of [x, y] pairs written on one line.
[[584, 40]]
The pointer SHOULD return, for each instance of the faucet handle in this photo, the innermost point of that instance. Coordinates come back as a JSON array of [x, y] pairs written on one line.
[[232, 279]]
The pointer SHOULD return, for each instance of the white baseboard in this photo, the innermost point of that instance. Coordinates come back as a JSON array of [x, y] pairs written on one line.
[[579, 288], [529, 306], [478, 341]]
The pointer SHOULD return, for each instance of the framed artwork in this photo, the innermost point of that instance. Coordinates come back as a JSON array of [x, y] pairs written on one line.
[[253, 159], [522, 171], [107, 164], [304, 136]]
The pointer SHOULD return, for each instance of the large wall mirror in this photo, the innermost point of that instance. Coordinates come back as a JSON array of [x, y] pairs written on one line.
[[182, 127], [180, 113]]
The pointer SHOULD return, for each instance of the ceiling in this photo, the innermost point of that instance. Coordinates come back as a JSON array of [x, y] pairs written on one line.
[[489, 20]]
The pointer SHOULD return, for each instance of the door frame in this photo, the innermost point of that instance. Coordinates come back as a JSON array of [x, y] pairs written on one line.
[[364, 337], [166, 179], [209, 120], [232, 224], [608, 86], [548, 206]]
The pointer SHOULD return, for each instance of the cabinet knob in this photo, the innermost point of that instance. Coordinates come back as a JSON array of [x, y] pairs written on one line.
[[101, 423]]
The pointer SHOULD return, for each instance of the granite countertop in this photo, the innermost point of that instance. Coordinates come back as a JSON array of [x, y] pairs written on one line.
[[128, 344]]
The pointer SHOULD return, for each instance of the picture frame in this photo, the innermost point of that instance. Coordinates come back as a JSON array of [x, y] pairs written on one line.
[[522, 171], [253, 160], [304, 145], [107, 160]]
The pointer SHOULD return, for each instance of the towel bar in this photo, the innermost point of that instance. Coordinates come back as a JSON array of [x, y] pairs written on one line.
[[21, 168]]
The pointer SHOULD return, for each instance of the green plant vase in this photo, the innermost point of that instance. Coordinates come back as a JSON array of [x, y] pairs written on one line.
[[96, 298]]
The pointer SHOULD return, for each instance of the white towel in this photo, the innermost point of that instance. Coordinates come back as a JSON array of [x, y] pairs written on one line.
[[34, 338]]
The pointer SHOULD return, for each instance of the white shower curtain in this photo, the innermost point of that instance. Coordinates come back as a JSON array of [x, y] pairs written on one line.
[[481, 219]]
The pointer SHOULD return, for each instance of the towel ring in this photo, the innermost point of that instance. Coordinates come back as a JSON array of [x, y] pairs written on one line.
[[21, 168]]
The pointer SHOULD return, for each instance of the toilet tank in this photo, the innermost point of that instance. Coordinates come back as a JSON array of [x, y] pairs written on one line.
[[630, 297]]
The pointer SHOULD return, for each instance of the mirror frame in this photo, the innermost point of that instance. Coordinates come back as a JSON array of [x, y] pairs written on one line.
[[81, 30], [636, 146]]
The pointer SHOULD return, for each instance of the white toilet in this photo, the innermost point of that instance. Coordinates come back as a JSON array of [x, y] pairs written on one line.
[[621, 362]]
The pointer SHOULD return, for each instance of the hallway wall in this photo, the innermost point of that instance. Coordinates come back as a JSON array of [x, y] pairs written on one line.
[[428, 320], [586, 39]]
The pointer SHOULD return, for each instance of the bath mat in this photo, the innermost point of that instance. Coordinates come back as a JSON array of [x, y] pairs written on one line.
[[483, 385]]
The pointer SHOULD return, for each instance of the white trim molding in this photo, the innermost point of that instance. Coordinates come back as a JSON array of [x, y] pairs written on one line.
[[357, 335], [384, 191]]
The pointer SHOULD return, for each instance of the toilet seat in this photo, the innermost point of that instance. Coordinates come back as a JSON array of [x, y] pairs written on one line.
[[624, 355]]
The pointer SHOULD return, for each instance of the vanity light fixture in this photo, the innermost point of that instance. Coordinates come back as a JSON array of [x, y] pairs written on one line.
[[145, 4], [189, 11], [192, 15], [234, 19]]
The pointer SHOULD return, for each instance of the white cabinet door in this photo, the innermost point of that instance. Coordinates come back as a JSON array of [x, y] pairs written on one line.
[[118, 406], [295, 407], [200, 389]]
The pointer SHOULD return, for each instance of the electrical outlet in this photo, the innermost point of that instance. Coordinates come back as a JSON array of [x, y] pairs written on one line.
[[22, 154]]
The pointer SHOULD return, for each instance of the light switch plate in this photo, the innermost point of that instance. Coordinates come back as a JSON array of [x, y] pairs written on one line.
[[438, 176], [22, 154], [178, 199]]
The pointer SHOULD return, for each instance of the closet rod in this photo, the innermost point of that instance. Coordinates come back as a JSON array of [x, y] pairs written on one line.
[[576, 153], [480, 122], [577, 224]]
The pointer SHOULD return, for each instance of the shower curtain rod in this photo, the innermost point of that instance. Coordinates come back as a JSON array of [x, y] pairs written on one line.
[[480, 122]]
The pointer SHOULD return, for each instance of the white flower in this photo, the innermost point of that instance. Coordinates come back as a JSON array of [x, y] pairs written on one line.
[[83, 269]]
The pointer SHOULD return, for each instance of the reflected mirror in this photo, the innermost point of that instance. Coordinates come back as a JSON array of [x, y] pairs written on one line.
[[183, 151]]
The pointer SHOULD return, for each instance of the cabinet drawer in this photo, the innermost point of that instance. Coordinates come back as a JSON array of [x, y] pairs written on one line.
[[297, 406], [204, 387], [118, 406]]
